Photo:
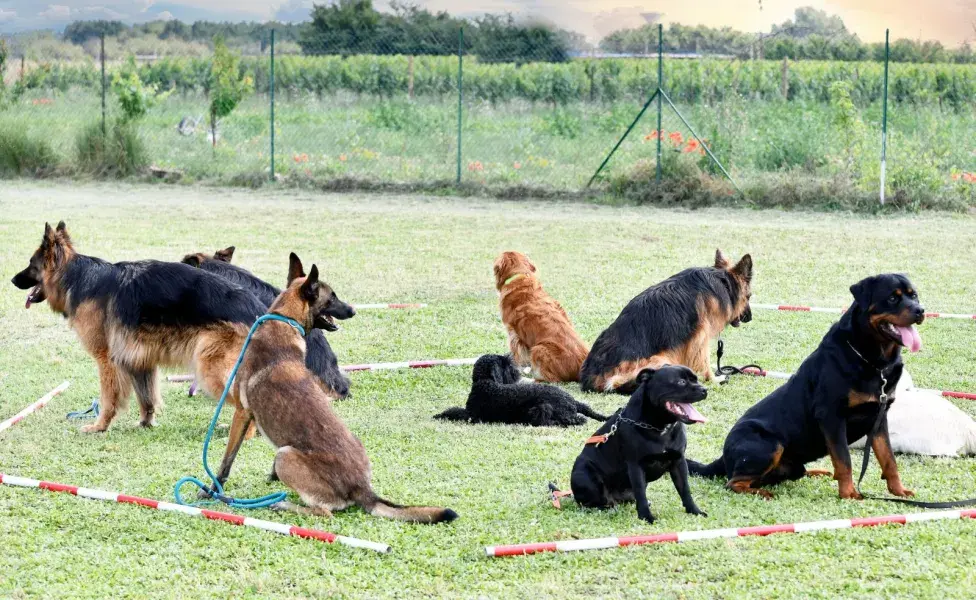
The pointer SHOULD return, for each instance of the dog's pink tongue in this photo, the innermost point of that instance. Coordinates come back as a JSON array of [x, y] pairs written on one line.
[[692, 413], [910, 338]]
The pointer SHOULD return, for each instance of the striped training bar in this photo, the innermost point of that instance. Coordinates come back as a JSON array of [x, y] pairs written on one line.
[[782, 375], [709, 534], [416, 364], [34, 407], [837, 311], [283, 529], [391, 306]]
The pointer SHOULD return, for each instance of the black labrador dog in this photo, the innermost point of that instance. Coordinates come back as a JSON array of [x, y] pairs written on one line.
[[498, 396], [832, 399], [640, 443]]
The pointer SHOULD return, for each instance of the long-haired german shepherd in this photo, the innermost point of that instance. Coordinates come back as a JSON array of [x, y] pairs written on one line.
[[320, 359], [317, 456], [134, 317], [672, 322]]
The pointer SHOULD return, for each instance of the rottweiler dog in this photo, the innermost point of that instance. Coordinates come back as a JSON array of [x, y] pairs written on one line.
[[672, 322], [320, 357], [499, 396], [641, 442], [834, 397]]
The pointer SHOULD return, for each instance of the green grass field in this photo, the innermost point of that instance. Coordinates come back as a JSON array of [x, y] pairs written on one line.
[[439, 251]]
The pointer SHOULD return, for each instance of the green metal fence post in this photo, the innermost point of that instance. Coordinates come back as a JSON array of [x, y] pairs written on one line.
[[884, 123], [460, 97], [623, 137], [271, 88], [660, 88], [701, 142], [103, 82]]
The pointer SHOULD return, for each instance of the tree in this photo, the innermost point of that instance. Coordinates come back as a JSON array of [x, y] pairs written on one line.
[[811, 21], [80, 32], [135, 97], [226, 86], [344, 27]]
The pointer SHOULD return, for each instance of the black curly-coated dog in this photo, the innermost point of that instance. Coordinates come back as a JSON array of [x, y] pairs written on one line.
[[497, 396]]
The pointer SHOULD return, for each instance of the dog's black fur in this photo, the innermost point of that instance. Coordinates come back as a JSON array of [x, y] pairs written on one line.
[[663, 319], [619, 469], [497, 396], [831, 400], [319, 357]]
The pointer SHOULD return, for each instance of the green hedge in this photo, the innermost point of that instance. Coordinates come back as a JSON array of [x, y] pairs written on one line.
[[580, 80]]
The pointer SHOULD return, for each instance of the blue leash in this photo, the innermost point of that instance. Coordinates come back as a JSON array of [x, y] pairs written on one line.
[[90, 413], [216, 491]]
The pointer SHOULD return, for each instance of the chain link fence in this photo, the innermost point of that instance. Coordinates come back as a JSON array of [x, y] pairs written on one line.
[[442, 102]]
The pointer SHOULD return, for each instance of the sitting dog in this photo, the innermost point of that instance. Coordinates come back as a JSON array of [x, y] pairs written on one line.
[[673, 322], [319, 358], [832, 398], [923, 422], [640, 443], [498, 396], [317, 456], [540, 333]]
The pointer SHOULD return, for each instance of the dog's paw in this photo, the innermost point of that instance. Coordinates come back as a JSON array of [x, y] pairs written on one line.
[[697, 511], [93, 428], [205, 494], [850, 494], [148, 424], [649, 518], [901, 491]]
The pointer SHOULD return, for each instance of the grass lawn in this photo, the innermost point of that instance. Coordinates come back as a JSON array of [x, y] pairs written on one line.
[[439, 251]]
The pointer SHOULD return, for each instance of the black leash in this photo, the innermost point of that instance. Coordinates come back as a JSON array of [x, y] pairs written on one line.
[[729, 370], [883, 401]]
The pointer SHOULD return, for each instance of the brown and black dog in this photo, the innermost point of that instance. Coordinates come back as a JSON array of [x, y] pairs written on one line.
[[135, 317], [317, 456], [540, 333], [831, 399], [673, 322]]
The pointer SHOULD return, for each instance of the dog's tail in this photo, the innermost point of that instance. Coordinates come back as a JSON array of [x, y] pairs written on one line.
[[712, 469], [584, 409], [457, 413], [379, 507]]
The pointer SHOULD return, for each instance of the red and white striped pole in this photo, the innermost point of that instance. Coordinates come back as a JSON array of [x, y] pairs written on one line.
[[709, 534], [782, 375], [283, 529], [389, 306], [415, 364], [838, 311], [34, 407]]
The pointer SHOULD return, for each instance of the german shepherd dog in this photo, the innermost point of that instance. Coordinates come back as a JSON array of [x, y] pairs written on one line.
[[672, 322], [320, 359], [540, 333], [317, 456], [832, 398], [134, 317]]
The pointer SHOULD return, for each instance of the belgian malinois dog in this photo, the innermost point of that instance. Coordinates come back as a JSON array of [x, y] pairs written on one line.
[[317, 456]]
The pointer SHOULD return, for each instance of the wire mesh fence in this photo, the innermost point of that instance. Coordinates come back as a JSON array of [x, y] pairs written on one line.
[[442, 101]]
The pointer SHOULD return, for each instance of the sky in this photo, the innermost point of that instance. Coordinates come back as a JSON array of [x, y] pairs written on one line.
[[949, 21]]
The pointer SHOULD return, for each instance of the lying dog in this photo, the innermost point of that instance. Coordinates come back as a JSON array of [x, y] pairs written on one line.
[[923, 422], [317, 456], [498, 396], [640, 443], [540, 333], [133, 317], [673, 322], [320, 359], [832, 398]]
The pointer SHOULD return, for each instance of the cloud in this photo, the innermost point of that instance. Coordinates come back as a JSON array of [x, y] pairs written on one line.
[[147, 4], [56, 12], [293, 11], [7, 15], [165, 16], [99, 12]]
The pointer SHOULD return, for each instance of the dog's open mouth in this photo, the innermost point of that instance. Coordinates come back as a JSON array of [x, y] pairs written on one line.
[[686, 413], [906, 336], [36, 295], [326, 322]]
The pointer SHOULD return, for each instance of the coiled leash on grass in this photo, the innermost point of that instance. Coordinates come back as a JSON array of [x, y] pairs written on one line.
[[729, 370], [216, 491], [90, 413]]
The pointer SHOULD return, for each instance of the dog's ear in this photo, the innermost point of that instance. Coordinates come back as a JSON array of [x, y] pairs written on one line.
[[310, 288], [645, 375], [295, 269], [225, 255], [49, 236], [743, 268], [862, 291], [721, 261], [192, 259]]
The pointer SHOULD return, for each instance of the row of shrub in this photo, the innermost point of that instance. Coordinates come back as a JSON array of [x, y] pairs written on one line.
[[118, 152], [581, 80]]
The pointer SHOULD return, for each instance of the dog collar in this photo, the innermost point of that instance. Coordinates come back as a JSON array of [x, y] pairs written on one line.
[[596, 440], [513, 278]]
